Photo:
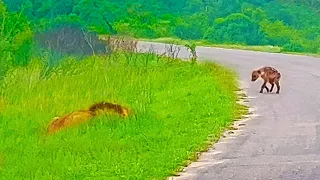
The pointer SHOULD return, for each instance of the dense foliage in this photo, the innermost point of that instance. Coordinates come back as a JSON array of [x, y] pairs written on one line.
[[293, 25]]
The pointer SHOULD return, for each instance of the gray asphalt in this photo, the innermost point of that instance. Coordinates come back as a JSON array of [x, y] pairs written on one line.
[[283, 140]]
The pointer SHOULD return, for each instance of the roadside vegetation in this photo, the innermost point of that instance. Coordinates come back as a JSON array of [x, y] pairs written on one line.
[[266, 48], [51, 68]]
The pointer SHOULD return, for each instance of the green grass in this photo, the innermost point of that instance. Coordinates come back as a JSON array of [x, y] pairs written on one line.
[[270, 49], [180, 108]]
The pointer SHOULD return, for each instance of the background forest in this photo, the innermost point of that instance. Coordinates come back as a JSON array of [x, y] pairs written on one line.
[[292, 25]]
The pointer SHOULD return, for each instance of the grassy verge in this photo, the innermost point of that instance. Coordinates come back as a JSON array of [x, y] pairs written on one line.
[[270, 49], [177, 106]]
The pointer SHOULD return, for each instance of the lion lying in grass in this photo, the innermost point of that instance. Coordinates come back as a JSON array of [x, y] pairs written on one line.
[[81, 116]]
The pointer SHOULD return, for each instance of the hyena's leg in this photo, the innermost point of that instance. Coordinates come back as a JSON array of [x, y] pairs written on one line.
[[272, 85], [278, 87], [264, 86]]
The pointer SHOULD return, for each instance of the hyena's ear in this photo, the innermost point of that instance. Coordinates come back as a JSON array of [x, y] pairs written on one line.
[[259, 72]]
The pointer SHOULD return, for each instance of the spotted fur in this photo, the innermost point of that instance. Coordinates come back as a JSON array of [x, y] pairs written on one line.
[[269, 75]]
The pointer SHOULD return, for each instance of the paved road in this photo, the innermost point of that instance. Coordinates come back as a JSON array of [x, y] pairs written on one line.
[[284, 141]]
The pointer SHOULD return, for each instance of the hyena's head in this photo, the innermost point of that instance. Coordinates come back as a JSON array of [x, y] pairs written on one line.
[[255, 75]]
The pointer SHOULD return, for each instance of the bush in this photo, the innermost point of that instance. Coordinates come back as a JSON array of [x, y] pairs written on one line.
[[293, 47], [70, 40]]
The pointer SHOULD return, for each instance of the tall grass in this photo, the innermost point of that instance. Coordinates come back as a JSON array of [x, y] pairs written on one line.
[[177, 106]]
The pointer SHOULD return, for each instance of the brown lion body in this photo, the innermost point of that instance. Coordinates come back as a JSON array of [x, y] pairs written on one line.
[[81, 116], [269, 75]]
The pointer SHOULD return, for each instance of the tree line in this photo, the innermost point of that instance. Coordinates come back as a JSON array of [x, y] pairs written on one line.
[[292, 25]]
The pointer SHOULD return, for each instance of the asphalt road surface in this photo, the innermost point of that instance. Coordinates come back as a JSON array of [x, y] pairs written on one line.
[[283, 140]]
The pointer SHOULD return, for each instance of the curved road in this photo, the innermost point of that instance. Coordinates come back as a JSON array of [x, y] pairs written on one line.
[[283, 142]]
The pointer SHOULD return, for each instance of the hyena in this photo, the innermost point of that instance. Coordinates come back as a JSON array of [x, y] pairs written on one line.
[[269, 75]]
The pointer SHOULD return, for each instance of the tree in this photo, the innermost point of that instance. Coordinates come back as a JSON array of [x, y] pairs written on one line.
[[236, 28], [15, 39]]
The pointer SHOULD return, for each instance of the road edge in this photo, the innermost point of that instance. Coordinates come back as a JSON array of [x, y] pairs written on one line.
[[234, 130]]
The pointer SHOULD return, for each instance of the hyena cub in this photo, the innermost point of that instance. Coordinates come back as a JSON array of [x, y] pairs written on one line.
[[269, 75]]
